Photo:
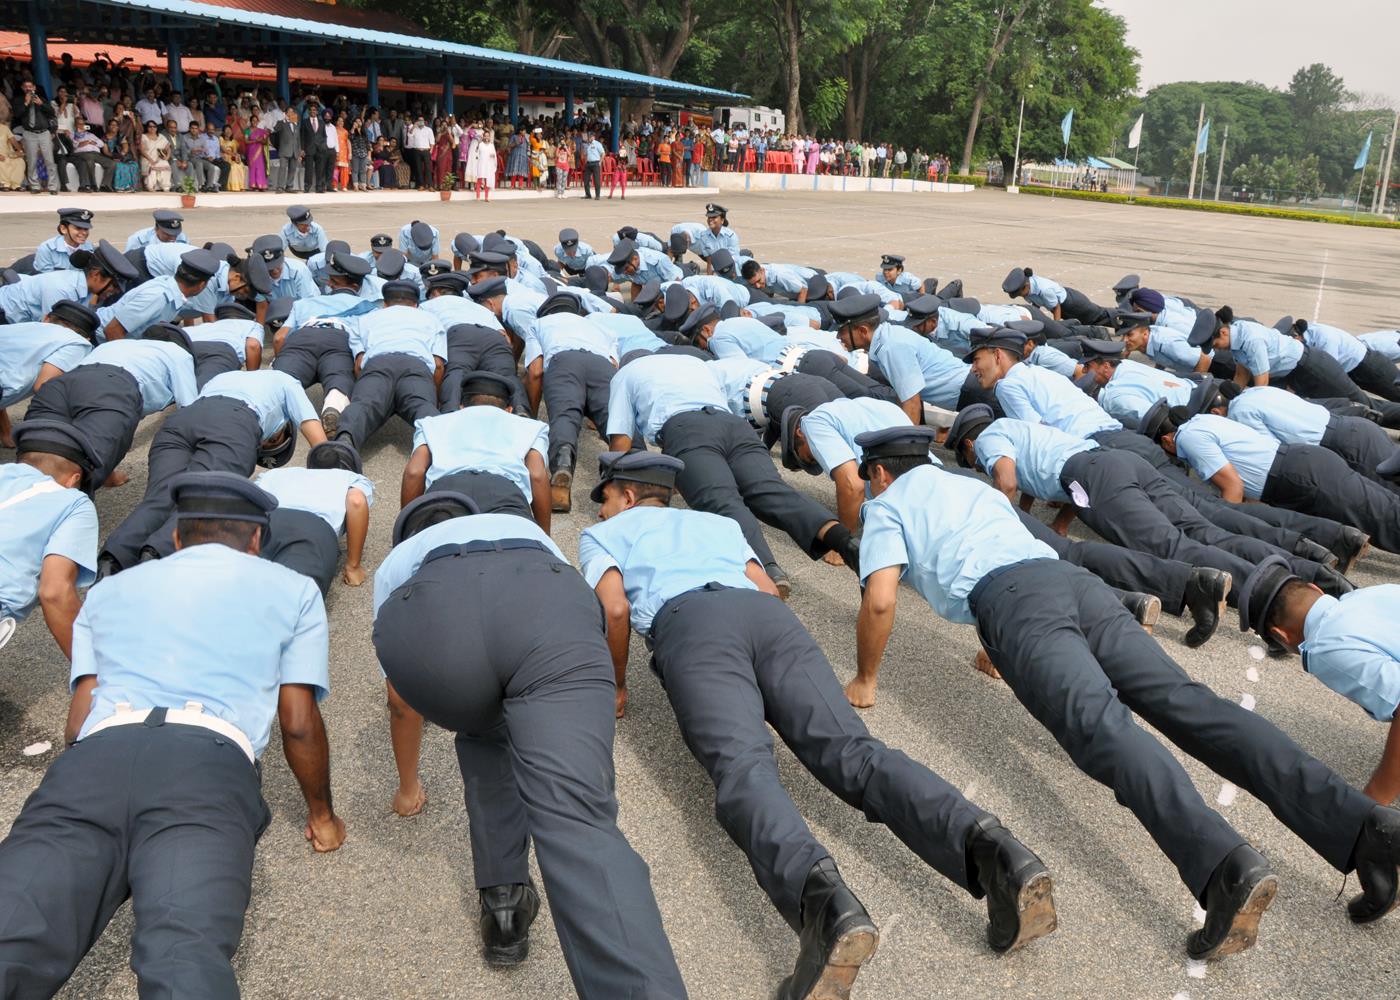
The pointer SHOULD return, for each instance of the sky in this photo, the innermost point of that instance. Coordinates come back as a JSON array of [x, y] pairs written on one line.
[[1266, 42]]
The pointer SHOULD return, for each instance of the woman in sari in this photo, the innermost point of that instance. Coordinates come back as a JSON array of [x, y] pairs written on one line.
[[466, 159], [155, 159], [341, 176], [536, 144], [441, 157], [11, 159], [679, 152], [518, 159], [257, 153], [237, 169]]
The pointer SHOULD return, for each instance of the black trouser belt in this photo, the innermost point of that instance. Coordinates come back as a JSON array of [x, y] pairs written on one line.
[[482, 545]]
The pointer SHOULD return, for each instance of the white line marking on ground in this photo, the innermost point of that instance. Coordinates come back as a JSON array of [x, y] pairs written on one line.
[[1321, 282]]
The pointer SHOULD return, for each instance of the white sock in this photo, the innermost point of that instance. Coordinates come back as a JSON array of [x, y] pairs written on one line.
[[335, 400]]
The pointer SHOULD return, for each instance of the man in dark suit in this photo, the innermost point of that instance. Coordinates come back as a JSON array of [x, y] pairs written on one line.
[[286, 139], [317, 157]]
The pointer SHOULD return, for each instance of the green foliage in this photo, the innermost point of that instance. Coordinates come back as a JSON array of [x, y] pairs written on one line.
[[1225, 208], [826, 104], [976, 180]]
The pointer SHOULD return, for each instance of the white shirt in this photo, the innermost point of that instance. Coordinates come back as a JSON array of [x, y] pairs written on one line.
[[420, 137]]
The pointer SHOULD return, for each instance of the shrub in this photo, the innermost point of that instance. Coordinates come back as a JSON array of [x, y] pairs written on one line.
[[976, 180], [1226, 208]]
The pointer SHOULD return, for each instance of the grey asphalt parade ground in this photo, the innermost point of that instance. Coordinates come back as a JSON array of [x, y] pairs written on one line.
[[393, 913]]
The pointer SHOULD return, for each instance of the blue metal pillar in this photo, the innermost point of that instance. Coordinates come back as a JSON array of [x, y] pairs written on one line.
[[514, 92], [39, 52], [448, 94], [616, 120], [569, 106], [172, 62], [372, 84], [284, 75]]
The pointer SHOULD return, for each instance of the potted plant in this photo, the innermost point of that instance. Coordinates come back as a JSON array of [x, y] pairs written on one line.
[[187, 191], [446, 185]]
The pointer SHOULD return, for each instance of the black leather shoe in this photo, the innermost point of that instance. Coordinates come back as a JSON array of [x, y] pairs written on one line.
[[850, 554], [507, 911], [106, 566], [1310, 550], [1240, 890], [1020, 900], [1376, 855], [561, 481], [1332, 583], [1353, 544], [837, 937], [1146, 608], [1206, 591], [780, 579]]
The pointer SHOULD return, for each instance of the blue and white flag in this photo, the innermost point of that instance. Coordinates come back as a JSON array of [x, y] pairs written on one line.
[[1065, 125], [1364, 155], [1203, 139]]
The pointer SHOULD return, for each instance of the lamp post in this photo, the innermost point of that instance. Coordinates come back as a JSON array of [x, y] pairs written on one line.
[[1015, 187]]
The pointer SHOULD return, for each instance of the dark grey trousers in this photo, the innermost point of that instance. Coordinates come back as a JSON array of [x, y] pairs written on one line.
[[212, 434], [1085, 682], [213, 359], [1377, 374], [318, 354], [728, 685], [1319, 375], [1361, 444], [102, 401], [304, 542], [729, 472], [507, 649], [165, 815], [575, 386], [1312, 479], [388, 384], [472, 348], [494, 494], [851, 383]]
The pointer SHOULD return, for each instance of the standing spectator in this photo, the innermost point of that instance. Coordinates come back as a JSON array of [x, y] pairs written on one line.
[[517, 159], [485, 164], [741, 144], [214, 110], [155, 159], [90, 109], [339, 138], [593, 167], [881, 160], [760, 147], [563, 164], [417, 152], [256, 157], [900, 159], [663, 160], [285, 173], [373, 128], [35, 121], [395, 129], [177, 112], [148, 109], [359, 156], [466, 157], [318, 156], [443, 148]]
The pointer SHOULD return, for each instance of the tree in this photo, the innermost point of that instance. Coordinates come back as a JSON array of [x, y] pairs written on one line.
[[1314, 94], [1009, 17]]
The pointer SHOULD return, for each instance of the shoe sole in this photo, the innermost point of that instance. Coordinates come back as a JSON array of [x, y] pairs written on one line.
[[330, 421], [784, 587], [851, 950], [1244, 929], [1361, 553], [1035, 911], [1151, 613], [1196, 643], [511, 955], [561, 487]]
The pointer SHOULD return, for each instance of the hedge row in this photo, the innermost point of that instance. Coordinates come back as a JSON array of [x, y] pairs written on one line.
[[1261, 211], [976, 180]]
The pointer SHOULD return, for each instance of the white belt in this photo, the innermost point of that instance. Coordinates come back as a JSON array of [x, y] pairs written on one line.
[[860, 361], [792, 356], [192, 714], [758, 391]]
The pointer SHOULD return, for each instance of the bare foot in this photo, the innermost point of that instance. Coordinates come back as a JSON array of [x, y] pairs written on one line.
[[325, 835], [860, 693], [353, 576], [833, 559], [984, 663], [7, 441], [621, 702], [117, 478], [410, 801]]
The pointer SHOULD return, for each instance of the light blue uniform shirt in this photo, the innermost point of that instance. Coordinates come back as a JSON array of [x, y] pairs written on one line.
[[591, 303], [954, 330], [146, 237], [1386, 342], [1046, 293], [918, 367], [1054, 359], [410, 249], [551, 335], [793, 313], [841, 280], [234, 332], [663, 552], [312, 241], [713, 290], [649, 391], [1176, 315], [404, 559], [1039, 396], [233, 629], [746, 337], [575, 261], [163, 259], [734, 376], [902, 285], [996, 314], [1353, 646], [58, 522], [705, 243], [1262, 350], [274, 396], [372, 286], [482, 439], [1348, 351], [402, 330], [295, 282], [1209, 443], [652, 265], [593, 152], [27, 347], [1287, 418], [947, 532], [316, 491], [831, 429], [789, 279], [1040, 454], [824, 339], [628, 332], [54, 254], [164, 372], [1135, 388], [344, 306], [453, 310], [519, 307], [31, 298], [156, 301], [1170, 349], [691, 229]]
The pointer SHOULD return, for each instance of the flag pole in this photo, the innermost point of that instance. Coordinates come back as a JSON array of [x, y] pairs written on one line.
[[1132, 193], [1220, 170], [1195, 153]]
